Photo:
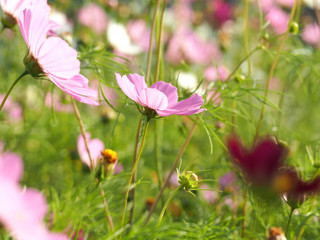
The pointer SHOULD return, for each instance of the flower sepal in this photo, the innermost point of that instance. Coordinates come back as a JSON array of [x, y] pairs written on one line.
[[8, 21], [33, 67]]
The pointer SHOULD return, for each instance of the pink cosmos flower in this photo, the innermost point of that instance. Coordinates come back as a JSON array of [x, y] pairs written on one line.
[[222, 11], [216, 73], [58, 105], [139, 34], [93, 16], [52, 57], [187, 45], [14, 109], [210, 196], [21, 211], [161, 96], [278, 20], [13, 8], [311, 34], [95, 148]]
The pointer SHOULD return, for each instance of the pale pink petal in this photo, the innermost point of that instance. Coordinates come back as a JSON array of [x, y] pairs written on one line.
[[34, 25], [11, 167], [95, 146], [127, 87], [311, 34], [278, 20], [188, 106], [138, 81], [169, 90], [35, 203], [154, 99], [76, 87], [57, 58]]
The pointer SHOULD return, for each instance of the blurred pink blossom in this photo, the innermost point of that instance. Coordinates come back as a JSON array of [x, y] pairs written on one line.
[[93, 16], [311, 34], [53, 56], [14, 109], [21, 211], [183, 12], [266, 5], [209, 195], [186, 45], [278, 20], [214, 97], [161, 96], [216, 73], [222, 11], [139, 34], [58, 105], [95, 148]]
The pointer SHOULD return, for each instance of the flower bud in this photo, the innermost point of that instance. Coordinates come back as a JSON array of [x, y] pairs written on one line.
[[108, 161], [294, 28]]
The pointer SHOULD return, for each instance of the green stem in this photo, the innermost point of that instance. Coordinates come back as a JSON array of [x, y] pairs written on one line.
[[132, 192], [159, 42], [166, 181], [157, 151], [273, 66], [241, 62], [246, 33], [12, 86], [244, 210], [132, 174], [83, 133], [166, 204], [289, 220], [151, 40]]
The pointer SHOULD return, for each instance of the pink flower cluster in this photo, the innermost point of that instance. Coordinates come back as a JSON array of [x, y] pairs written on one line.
[[21, 210]]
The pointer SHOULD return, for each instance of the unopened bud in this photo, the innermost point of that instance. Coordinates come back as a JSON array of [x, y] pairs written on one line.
[[294, 28]]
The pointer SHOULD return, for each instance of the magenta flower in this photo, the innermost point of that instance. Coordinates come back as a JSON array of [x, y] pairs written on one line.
[[93, 16], [21, 211], [52, 57], [259, 163], [161, 97]]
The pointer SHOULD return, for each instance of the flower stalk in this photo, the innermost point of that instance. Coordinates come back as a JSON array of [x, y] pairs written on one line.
[[133, 172], [166, 181], [82, 130], [12, 86]]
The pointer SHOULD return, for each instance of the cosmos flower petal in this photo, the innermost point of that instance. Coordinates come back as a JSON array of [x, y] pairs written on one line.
[[127, 87], [237, 150], [154, 99], [11, 167], [57, 58], [76, 87], [34, 25], [95, 148], [138, 81], [169, 90]]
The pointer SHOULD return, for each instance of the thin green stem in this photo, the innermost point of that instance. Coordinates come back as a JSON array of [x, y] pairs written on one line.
[[241, 62], [166, 181], [132, 192], [289, 220], [273, 66], [83, 133], [151, 40], [246, 33], [245, 196], [132, 174], [157, 151], [166, 204], [12, 86], [82, 130], [159, 42]]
